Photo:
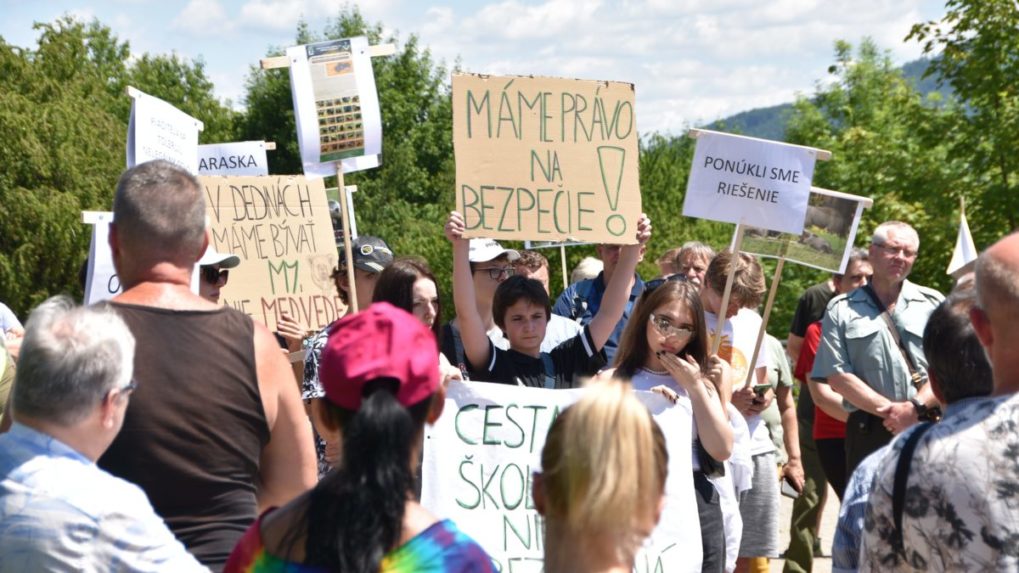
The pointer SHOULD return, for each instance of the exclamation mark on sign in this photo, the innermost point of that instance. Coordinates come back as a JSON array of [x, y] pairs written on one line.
[[610, 162]]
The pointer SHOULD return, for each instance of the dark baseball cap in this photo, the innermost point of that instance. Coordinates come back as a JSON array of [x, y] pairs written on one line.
[[371, 254]]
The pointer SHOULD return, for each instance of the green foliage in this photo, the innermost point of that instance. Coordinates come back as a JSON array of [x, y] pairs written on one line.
[[979, 59], [889, 144], [184, 84], [406, 199], [63, 127]]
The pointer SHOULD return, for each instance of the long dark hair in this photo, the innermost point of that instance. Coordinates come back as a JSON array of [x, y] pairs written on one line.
[[354, 516], [396, 286], [633, 346]]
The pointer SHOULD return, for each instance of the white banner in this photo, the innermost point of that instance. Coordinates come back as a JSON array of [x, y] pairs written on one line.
[[237, 158], [157, 130], [738, 179], [336, 107], [102, 282], [480, 456]]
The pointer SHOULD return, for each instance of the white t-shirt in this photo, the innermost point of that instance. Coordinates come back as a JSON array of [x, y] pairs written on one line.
[[739, 335], [646, 379]]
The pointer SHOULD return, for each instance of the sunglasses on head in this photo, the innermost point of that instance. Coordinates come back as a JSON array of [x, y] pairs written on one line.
[[652, 285], [212, 275]]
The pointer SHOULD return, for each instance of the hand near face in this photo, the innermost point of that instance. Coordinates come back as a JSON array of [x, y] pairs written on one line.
[[719, 372], [684, 370]]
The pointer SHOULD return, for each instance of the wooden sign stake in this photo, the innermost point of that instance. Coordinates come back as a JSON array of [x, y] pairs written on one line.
[[720, 316], [775, 279]]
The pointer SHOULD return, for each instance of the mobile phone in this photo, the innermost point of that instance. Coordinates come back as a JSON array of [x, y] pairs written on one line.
[[761, 389], [788, 490]]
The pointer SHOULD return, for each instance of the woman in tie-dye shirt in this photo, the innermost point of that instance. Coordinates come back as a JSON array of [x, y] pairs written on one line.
[[379, 370]]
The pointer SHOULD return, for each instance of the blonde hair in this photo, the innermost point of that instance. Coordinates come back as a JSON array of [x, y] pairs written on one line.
[[605, 460]]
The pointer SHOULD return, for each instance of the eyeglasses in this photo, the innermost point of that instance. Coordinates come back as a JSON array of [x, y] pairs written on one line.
[[666, 328], [497, 273], [652, 285], [124, 390], [894, 251], [212, 275]]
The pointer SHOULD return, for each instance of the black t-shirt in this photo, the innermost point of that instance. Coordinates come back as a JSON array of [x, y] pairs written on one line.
[[811, 307], [567, 364]]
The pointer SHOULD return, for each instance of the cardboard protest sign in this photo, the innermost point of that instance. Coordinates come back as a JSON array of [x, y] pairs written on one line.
[[739, 179], [237, 158], [480, 456], [546, 159], [280, 229], [157, 130], [551, 244], [335, 106], [829, 232]]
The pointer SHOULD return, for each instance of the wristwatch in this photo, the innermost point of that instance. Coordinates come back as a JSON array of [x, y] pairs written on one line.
[[920, 407]]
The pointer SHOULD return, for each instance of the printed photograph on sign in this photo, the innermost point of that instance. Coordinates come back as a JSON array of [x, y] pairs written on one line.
[[546, 159], [335, 105], [829, 231]]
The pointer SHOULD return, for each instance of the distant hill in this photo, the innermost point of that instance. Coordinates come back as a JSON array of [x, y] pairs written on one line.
[[770, 122]]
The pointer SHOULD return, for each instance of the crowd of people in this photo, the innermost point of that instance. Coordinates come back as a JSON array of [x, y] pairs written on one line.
[[162, 431]]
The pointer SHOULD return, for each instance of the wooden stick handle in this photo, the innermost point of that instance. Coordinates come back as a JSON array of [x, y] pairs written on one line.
[[720, 316], [764, 319], [347, 249]]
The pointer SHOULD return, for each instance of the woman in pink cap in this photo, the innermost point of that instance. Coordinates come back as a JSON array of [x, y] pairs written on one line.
[[379, 370]]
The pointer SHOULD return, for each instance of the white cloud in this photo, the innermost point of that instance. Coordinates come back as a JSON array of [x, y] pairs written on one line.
[[202, 18], [272, 15], [690, 61]]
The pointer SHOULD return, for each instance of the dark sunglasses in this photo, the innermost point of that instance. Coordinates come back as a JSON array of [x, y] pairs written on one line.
[[212, 275], [652, 285]]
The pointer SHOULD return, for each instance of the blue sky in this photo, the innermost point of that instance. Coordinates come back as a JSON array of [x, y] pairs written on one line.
[[692, 61]]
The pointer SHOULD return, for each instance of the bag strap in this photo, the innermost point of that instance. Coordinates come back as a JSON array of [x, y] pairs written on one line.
[[910, 365], [899, 485]]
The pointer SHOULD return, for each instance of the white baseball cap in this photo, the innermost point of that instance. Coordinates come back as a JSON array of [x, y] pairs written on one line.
[[484, 250], [214, 257]]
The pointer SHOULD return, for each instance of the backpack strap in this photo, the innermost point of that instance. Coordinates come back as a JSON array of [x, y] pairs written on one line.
[[899, 485]]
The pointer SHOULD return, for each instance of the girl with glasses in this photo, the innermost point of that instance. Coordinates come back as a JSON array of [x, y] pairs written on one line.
[[664, 349]]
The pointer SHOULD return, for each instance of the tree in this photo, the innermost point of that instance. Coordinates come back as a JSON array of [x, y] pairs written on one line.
[[63, 127], [887, 143], [406, 199], [183, 84], [979, 58]]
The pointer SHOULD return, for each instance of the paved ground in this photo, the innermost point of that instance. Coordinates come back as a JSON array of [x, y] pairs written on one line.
[[828, 519]]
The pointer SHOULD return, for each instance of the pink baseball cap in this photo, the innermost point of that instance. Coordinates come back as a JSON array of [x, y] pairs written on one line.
[[381, 341]]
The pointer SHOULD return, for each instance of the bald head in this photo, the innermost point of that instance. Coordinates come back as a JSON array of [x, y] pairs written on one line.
[[159, 213], [997, 279]]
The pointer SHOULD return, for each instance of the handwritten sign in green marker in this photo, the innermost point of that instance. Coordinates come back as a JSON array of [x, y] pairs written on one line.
[[546, 159]]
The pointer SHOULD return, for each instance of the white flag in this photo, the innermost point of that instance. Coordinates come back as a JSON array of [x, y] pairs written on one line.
[[965, 251]]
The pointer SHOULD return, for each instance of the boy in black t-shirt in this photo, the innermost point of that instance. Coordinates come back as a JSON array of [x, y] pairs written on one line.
[[521, 308]]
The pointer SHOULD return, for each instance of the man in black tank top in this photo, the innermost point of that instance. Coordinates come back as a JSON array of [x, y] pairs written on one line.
[[217, 431]]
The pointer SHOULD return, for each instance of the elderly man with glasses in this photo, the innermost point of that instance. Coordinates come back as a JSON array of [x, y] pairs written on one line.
[[871, 349], [58, 510]]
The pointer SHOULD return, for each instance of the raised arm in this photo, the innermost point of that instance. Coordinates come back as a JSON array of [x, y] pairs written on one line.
[[617, 292], [477, 348], [288, 466]]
